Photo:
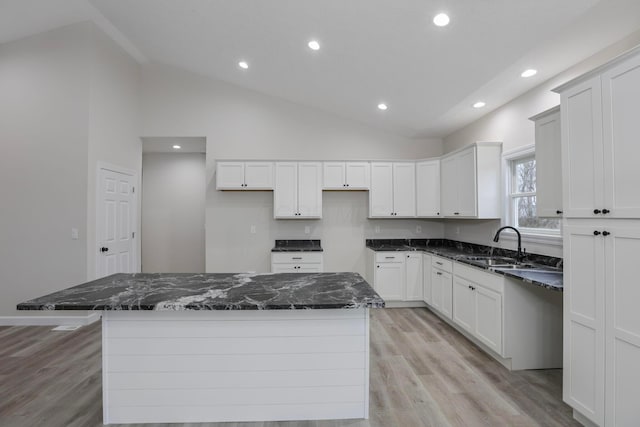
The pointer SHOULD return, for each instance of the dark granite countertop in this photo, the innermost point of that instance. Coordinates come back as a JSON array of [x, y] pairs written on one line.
[[214, 291], [548, 275], [297, 246]]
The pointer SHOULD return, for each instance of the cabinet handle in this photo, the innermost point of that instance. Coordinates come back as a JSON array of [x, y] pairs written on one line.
[[605, 233], [438, 262], [296, 257], [377, 266], [438, 273], [559, 212], [596, 233], [347, 185], [605, 211], [456, 213], [437, 213], [389, 257], [596, 211]]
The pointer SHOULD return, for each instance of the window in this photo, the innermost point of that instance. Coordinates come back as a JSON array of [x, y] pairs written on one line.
[[522, 198]]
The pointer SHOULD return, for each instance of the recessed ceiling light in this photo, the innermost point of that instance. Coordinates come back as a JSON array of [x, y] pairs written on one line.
[[382, 106], [441, 20], [313, 45], [528, 73], [176, 147], [243, 65], [479, 104]]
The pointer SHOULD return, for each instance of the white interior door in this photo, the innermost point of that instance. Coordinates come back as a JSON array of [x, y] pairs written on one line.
[[116, 223]]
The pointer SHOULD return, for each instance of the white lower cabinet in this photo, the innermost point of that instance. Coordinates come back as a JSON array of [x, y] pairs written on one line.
[[426, 278], [296, 262], [389, 275], [413, 278], [602, 321], [442, 286]]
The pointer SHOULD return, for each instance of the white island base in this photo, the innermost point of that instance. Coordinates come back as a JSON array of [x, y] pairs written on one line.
[[215, 366]]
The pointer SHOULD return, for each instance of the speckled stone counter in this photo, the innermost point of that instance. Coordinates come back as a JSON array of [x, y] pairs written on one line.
[[297, 246], [458, 251], [214, 291]]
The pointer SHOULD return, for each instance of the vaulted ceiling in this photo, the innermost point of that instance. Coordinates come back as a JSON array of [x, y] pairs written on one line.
[[371, 51]]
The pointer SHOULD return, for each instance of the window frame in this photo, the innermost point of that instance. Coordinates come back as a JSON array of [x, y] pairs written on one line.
[[530, 235]]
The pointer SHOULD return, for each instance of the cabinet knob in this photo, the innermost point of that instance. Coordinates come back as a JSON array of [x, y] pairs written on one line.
[[605, 233], [347, 185], [596, 233], [377, 266], [456, 213], [605, 211], [437, 213], [438, 273], [559, 212], [596, 211]]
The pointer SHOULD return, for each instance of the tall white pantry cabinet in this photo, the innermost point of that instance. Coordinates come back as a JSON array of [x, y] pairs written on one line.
[[601, 203]]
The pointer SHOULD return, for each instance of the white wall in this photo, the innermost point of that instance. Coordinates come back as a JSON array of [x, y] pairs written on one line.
[[69, 99], [114, 126], [511, 125], [173, 208], [44, 88], [243, 124]]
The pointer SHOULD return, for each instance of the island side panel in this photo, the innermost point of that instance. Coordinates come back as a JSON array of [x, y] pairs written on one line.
[[215, 366]]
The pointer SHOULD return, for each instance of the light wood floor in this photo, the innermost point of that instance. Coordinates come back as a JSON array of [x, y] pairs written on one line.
[[423, 373]]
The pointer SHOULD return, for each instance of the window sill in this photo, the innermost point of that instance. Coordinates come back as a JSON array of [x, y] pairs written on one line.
[[545, 239]]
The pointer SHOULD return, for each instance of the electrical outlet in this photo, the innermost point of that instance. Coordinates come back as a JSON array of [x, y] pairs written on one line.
[[418, 229], [253, 229], [377, 229], [307, 229]]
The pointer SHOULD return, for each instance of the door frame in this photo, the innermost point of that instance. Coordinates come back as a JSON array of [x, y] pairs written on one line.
[[134, 217]]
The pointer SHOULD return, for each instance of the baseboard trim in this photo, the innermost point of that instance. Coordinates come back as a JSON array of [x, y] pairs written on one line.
[[50, 320], [405, 304]]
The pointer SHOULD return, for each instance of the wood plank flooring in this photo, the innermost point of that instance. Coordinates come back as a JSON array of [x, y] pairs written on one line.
[[423, 373]]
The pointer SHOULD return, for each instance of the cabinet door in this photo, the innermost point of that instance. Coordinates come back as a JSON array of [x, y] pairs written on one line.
[[467, 185], [621, 127], [358, 175], [310, 190], [548, 166], [489, 317], [436, 288], [426, 278], [447, 294], [583, 312], [230, 175], [464, 304], [449, 186], [258, 175], [381, 194], [389, 280], [622, 325], [285, 193], [333, 176], [428, 188], [413, 278], [582, 165], [404, 189]]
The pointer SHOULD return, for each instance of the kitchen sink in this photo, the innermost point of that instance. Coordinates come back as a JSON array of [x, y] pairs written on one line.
[[491, 261]]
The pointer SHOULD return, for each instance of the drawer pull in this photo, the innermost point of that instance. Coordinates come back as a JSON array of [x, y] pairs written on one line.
[[296, 257], [438, 273], [438, 262], [389, 257]]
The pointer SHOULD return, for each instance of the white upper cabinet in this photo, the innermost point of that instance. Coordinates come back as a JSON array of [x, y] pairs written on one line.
[[298, 190], [600, 129], [621, 130], [393, 187], [548, 163], [244, 176], [470, 182], [346, 176], [428, 188]]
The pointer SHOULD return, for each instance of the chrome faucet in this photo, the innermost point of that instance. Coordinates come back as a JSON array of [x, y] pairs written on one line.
[[519, 256]]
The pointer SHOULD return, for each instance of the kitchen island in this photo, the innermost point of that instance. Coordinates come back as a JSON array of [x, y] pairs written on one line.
[[229, 347]]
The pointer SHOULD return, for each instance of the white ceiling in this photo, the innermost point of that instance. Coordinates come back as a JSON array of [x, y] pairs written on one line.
[[371, 50]]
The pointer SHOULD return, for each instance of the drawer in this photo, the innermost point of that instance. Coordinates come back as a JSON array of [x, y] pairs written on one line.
[[390, 256], [296, 257], [493, 281], [442, 263]]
